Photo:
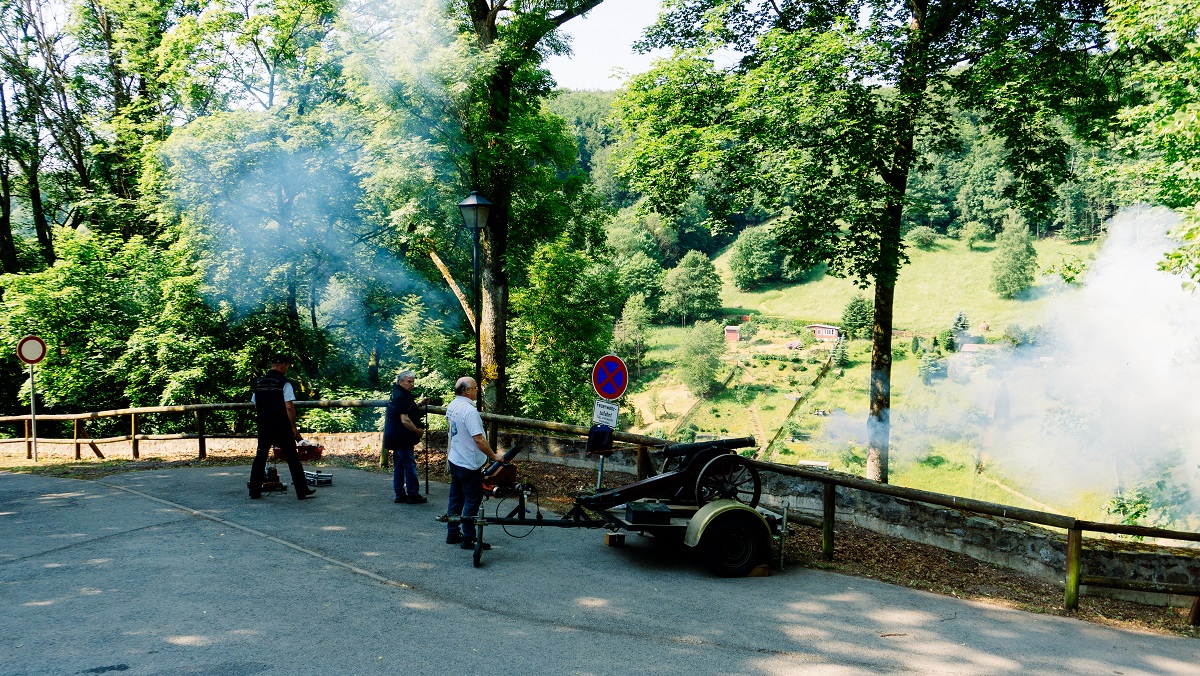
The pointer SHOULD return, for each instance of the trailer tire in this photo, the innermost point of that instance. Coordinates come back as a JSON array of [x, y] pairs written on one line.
[[734, 544]]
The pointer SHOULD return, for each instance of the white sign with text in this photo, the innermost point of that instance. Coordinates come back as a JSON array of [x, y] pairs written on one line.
[[605, 413]]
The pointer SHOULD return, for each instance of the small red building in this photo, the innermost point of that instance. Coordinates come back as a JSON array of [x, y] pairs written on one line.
[[733, 334], [824, 331]]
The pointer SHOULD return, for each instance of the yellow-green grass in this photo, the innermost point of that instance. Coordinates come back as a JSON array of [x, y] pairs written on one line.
[[932, 288]]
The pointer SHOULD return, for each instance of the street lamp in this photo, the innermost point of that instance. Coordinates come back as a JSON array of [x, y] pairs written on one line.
[[475, 209]]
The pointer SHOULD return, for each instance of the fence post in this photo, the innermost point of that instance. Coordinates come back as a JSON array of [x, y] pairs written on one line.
[[1194, 616], [200, 434], [827, 521], [1074, 559], [28, 440], [75, 436], [133, 432]]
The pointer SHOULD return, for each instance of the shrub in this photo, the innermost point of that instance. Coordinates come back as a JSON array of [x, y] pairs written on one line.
[[976, 232], [922, 237], [946, 339], [858, 317], [1016, 260]]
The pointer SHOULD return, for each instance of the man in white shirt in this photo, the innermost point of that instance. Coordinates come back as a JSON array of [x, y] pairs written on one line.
[[468, 451]]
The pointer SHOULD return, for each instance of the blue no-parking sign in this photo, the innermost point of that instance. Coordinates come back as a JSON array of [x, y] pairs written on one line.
[[610, 377]]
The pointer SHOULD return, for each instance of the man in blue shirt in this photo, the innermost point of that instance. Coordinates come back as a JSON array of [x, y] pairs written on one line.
[[468, 451]]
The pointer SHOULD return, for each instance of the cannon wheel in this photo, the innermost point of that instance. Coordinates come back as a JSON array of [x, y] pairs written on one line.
[[728, 477], [735, 544], [477, 557]]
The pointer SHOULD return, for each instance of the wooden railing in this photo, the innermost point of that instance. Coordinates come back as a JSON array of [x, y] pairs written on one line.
[[829, 479]]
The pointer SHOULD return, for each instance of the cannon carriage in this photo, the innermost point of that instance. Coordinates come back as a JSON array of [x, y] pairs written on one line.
[[704, 495]]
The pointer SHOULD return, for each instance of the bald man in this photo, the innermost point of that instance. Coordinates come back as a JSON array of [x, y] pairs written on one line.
[[468, 451]]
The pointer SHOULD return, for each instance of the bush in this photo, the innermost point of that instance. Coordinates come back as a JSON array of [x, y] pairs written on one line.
[[858, 318], [976, 232], [922, 237], [755, 258], [946, 339], [1016, 260], [932, 366]]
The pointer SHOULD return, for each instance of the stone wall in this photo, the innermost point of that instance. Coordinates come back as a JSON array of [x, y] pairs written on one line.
[[1028, 548]]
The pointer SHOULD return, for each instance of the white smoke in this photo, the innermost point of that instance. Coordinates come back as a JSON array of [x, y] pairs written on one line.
[[1105, 399]]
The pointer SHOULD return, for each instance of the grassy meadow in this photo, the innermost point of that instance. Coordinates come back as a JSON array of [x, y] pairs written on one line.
[[933, 287]]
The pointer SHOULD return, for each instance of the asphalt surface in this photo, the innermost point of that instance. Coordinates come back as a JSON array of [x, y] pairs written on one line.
[[179, 572]]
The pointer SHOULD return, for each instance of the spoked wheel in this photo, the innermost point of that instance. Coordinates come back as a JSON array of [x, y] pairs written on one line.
[[728, 477], [735, 544]]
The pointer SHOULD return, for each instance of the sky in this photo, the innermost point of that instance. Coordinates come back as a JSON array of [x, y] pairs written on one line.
[[602, 41]]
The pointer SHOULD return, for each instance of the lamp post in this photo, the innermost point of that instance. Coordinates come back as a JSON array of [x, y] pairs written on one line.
[[475, 209]]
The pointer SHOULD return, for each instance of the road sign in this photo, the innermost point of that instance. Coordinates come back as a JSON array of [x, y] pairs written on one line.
[[31, 349], [610, 377], [605, 413]]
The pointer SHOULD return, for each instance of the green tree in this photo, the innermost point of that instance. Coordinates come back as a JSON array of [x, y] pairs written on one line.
[[692, 289], [700, 357], [1016, 260], [755, 258], [976, 232], [558, 340], [857, 318], [840, 355], [629, 337], [641, 274], [960, 324], [878, 78]]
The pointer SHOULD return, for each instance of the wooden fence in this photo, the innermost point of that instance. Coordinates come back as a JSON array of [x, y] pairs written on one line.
[[1075, 528]]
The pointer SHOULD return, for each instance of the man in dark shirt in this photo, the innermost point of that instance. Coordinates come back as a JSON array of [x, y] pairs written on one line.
[[400, 435], [273, 397]]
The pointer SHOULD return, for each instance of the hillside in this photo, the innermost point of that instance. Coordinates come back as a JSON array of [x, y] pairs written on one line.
[[934, 286]]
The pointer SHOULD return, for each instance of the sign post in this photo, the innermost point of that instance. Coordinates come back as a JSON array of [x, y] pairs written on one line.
[[32, 350], [610, 377]]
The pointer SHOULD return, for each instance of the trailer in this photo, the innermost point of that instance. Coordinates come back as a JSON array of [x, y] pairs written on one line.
[[704, 495]]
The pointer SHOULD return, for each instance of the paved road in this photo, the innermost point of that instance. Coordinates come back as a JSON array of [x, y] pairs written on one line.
[[177, 571]]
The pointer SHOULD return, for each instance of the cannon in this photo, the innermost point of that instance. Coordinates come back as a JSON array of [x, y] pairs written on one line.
[[692, 474], [704, 495]]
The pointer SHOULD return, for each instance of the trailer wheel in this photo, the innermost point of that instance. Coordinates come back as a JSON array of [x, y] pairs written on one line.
[[728, 477], [477, 557], [734, 544]]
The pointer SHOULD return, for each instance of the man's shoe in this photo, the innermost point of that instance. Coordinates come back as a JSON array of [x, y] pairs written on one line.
[[400, 501], [417, 500], [470, 544], [306, 495], [256, 496], [453, 538]]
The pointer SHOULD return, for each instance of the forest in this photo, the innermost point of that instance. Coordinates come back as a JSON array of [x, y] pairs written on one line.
[[186, 188]]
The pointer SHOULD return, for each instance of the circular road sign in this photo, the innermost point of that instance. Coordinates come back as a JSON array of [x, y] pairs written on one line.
[[610, 377], [31, 349]]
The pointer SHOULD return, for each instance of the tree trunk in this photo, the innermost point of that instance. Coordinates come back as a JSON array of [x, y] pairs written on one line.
[[40, 225], [910, 96], [8, 247]]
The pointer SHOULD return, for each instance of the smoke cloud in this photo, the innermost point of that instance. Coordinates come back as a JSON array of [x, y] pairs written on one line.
[[1102, 400]]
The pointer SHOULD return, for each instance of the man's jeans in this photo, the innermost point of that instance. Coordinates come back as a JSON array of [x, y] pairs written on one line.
[[466, 493], [404, 472]]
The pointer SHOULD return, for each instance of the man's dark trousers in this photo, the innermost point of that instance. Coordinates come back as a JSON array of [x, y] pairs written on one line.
[[466, 494], [404, 471], [287, 448]]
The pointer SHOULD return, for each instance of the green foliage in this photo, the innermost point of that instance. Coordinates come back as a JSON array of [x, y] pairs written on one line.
[[1069, 268], [922, 237], [1016, 260], [933, 365], [840, 356], [692, 289], [946, 338], [916, 345], [858, 318], [629, 337], [700, 357], [960, 324], [429, 348], [976, 232], [640, 274], [1160, 503], [755, 258], [558, 340]]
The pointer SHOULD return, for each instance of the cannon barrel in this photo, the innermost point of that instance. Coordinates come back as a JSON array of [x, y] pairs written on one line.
[[677, 450], [512, 453]]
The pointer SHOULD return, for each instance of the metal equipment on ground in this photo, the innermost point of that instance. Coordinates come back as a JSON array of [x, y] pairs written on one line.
[[705, 496]]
